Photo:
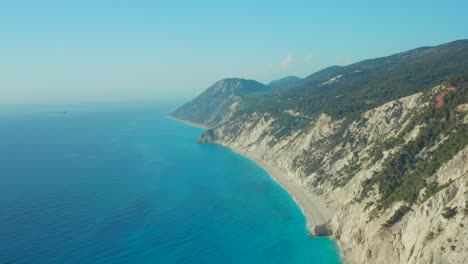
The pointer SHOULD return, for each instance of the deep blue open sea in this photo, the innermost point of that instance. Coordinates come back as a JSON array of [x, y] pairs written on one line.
[[122, 184]]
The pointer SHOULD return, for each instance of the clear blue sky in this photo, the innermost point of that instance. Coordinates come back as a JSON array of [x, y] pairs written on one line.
[[95, 50]]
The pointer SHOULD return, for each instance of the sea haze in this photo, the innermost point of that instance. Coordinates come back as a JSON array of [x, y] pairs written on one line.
[[122, 184]]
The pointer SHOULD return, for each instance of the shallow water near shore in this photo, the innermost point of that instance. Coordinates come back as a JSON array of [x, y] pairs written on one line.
[[123, 184]]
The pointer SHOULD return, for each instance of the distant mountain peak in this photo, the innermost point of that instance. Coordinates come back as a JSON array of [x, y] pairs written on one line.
[[237, 86], [219, 101]]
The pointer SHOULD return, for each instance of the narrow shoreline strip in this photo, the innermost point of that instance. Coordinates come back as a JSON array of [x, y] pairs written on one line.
[[187, 122]]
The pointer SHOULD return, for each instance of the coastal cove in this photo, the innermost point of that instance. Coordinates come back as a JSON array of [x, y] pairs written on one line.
[[123, 184], [314, 209]]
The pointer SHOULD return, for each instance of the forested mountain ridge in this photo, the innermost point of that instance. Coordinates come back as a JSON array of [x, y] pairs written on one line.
[[338, 91], [349, 90]]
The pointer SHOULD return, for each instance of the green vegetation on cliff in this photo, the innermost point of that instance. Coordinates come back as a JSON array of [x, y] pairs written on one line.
[[442, 135], [397, 216]]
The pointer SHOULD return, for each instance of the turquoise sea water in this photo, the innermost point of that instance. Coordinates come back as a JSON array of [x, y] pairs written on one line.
[[122, 184]]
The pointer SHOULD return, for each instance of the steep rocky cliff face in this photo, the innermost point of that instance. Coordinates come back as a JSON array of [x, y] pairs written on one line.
[[338, 158], [384, 142]]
